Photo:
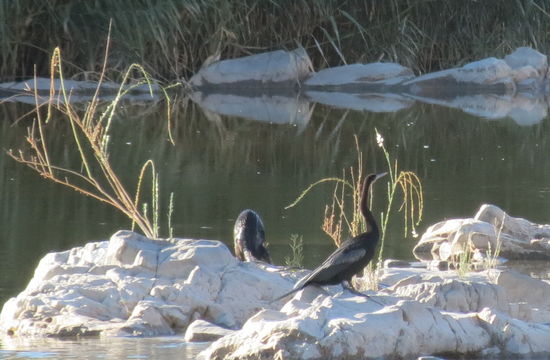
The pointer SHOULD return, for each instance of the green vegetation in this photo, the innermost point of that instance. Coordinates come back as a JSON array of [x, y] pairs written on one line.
[[296, 259], [173, 38]]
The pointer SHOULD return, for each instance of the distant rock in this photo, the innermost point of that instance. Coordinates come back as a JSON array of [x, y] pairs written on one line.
[[491, 228], [489, 75], [526, 57], [78, 91], [271, 69], [358, 76]]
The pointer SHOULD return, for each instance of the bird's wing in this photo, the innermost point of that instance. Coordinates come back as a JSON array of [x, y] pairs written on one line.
[[336, 262]]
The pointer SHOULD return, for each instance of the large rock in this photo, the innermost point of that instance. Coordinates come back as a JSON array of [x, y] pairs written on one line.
[[357, 76], [271, 69], [132, 285], [424, 313], [489, 230]]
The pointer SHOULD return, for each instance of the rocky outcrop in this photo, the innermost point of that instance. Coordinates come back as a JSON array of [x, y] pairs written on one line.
[[132, 285], [423, 313], [490, 231]]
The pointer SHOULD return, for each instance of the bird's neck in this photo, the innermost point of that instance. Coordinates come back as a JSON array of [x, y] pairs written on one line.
[[372, 227]]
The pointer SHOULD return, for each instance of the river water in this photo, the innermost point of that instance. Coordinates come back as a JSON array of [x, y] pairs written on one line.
[[225, 161]]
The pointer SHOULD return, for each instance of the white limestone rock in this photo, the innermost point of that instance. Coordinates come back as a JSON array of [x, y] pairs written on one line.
[[426, 313], [203, 331], [358, 75], [276, 68], [132, 285], [526, 56], [491, 228], [489, 75]]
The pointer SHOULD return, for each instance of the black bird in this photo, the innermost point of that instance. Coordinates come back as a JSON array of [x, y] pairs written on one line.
[[249, 237], [353, 254]]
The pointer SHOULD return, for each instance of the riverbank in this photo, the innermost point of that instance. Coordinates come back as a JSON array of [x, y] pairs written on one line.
[[173, 39]]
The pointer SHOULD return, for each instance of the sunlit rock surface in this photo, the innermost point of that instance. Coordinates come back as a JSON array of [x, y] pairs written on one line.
[[424, 313], [489, 230], [357, 76], [274, 68], [132, 285]]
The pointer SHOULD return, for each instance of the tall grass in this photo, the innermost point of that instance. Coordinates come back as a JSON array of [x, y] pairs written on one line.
[[342, 219], [94, 175], [172, 38]]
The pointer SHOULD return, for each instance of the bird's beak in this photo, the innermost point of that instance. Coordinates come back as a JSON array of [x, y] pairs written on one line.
[[378, 176]]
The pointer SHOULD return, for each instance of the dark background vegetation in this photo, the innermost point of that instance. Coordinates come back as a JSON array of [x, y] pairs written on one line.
[[172, 38]]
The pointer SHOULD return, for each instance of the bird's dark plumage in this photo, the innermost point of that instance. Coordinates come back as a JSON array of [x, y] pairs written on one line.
[[353, 254], [249, 237]]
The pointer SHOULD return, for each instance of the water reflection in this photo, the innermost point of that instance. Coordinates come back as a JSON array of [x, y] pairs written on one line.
[[98, 348]]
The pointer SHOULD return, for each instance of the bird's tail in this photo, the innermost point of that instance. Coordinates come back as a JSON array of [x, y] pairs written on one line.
[[295, 290]]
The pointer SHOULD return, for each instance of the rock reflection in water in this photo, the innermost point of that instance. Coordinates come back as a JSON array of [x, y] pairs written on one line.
[[278, 109], [373, 102]]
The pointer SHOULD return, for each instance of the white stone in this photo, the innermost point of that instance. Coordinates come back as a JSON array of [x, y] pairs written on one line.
[[200, 282], [360, 74], [203, 331], [271, 68], [491, 228], [487, 71], [526, 56], [132, 285], [489, 75]]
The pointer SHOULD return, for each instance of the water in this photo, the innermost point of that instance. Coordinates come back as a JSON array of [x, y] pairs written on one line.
[[220, 165], [112, 348]]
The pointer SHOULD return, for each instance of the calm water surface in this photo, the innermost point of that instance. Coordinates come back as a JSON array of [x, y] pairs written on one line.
[[221, 165]]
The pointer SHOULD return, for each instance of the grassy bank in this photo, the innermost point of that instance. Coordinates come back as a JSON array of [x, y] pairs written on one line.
[[172, 38]]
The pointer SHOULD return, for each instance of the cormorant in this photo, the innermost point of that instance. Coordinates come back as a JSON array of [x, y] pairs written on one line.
[[353, 254], [249, 237]]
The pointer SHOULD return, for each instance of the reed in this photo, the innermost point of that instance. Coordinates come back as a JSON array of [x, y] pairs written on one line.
[[94, 175], [173, 38]]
